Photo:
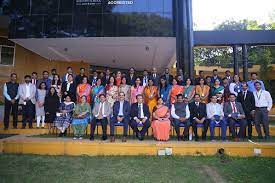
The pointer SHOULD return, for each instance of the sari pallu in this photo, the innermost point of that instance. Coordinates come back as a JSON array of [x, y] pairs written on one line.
[[189, 92], [79, 125], [84, 90], [215, 90], [151, 102], [203, 91], [176, 89], [161, 128], [111, 94], [164, 94], [96, 91]]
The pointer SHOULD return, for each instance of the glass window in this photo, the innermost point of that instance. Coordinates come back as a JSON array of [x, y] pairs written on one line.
[[80, 9], [124, 24], [140, 6], [96, 8], [7, 55], [159, 25], [39, 6], [21, 7], [22, 24], [94, 27], [64, 28], [168, 6], [138, 24], [50, 26], [36, 26], [53, 6], [66, 6], [79, 25], [110, 27], [156, 6]]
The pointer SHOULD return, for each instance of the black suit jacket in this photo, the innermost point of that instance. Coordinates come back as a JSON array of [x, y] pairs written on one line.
[[105, 80], [198, 112], [155, 79], [126, 109], [248, 104], [71, 92], [134, 110], [170, 78], [130, 81]]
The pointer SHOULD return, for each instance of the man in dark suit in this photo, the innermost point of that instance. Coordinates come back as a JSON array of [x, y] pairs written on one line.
[[201, 76], [168, 76], [246, 98], [215, 76], [131, 77], [145, 78], [69, 71], [155, 77], [106, 77], [121, 114], [198, 116], [93, 78], [69, 88], [79, 78], [234, 113], [140, 116]]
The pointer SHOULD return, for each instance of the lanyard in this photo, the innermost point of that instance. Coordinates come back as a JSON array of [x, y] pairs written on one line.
[[258, 97]]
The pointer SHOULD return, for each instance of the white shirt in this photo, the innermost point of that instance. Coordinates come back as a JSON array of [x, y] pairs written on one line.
[[120, 113], [263, 99], [28, 90], [145, 80], [66, 77], [214, 109], [68, 86], [142, 113], [174, 115], [101, 105]]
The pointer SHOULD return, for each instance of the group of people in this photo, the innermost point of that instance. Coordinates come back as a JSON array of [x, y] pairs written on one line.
[[141, 102]]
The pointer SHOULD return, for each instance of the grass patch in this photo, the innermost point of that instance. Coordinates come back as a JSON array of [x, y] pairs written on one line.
[[34, 168]]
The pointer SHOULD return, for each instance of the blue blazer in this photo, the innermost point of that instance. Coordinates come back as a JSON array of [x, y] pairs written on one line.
[[126, 109]]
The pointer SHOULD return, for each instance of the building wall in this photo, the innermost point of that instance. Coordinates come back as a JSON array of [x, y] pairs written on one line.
[[27, 62]]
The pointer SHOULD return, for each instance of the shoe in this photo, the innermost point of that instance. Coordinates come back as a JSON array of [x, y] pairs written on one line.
[[6, 128], [92, 138], [30, 127], [60, 135], [42, 127], [112, 139], [15, 127], [80, 138], [196, 139], [267, 138], [74, 138], [260, 137], [249, 137], [179, 138], [124, 139], [236, 139], [65, 133], [23, 127], [104, 137]]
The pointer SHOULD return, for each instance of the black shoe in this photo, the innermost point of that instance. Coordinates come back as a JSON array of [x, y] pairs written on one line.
[[260, 137], [6, 128], [30, 127], [179, 138], [104, 137], [65, 133], [60, 135], [23, 127], [92, 138], [249, 137], [267, 138], [196, 139]]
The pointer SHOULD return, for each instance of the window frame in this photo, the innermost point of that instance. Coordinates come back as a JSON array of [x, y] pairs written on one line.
[[13, 59]]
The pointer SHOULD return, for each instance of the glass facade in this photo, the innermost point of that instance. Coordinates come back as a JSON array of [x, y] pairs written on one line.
[[89, 18]]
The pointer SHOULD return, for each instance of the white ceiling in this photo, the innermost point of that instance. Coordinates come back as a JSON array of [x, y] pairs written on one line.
[[117, 52]]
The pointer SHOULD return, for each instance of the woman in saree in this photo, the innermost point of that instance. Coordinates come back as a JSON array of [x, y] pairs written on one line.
[[165, 91], [161, 124], [137, 89], [216, 88], [125, 88], [203, 91], [189, 90], [81, 118], [97, 90], [151, 95], [176, 89], [118, 78], [111, 91], [84, 89]]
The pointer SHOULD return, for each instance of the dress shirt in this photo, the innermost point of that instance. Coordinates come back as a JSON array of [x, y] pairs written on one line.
[[66, 77], [142, 114], [68, 86], [145, 80], [214, 109], [28, 90], [6, 95], [244, 94], [251, 86], [101, 106], [120, 113], [263, 99], [175, 116]]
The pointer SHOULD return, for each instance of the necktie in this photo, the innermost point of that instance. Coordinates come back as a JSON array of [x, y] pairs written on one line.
[[244, 95], [234, 107], [197, 104], [139, 111], [100, 113]]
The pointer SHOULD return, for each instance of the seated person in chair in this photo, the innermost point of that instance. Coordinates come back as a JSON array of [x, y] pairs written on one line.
[[215, 117], [234, 112], [101, 113], [121, 114], [140, 116], [181, 114], [198, 116]]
